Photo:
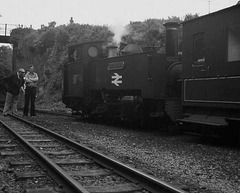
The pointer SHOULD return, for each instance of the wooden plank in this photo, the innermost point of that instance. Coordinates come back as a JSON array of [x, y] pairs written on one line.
[[22, 163], [2, 146], [41, 190], [100, 172], [4, 136], [27, 175], [72, 161], [121, 188], [47, 146], [58, 152], [39, 140], [36, 136], [11, 153], [27, 133], [4, 140]]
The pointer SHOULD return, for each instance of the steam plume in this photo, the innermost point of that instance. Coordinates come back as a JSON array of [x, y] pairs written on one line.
[[119, 31]]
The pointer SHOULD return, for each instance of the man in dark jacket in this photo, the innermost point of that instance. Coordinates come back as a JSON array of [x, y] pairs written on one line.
[[14, 84]]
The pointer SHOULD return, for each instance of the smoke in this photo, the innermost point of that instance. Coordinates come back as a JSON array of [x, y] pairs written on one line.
[[119, 31]]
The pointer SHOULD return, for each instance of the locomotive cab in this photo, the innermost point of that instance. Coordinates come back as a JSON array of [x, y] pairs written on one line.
[[75, 73]]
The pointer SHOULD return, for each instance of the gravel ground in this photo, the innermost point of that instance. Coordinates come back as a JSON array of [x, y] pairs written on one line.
[[200, 164]]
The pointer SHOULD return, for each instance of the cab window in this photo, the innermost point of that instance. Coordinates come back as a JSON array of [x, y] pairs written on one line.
[[198, 48], [72, 55], [234, 43]]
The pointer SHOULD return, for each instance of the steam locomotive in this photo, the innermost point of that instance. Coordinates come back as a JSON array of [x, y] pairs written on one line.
[[200, 87], [131, 84]]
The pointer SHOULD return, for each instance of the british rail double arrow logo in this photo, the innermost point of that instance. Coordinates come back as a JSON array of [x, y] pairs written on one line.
[[116, 79]]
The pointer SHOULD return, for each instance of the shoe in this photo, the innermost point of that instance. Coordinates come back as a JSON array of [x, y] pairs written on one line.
[[33, 115], [5, 115]]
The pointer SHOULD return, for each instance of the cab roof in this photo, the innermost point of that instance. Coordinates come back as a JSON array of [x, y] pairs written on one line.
[[237, 6]]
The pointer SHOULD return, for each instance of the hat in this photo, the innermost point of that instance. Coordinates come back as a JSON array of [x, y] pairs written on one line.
[[21, 70]]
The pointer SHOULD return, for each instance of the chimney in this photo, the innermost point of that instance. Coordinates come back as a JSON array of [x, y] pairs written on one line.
[[112, 51], [172, 39]]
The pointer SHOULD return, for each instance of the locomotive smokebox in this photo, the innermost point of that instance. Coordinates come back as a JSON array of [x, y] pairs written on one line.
[[112, 51], [172, 39]]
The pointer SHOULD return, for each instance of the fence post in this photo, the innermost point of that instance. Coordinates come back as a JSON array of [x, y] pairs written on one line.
[[5, 29]]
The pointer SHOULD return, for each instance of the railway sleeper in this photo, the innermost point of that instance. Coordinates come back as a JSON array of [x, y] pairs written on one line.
[[27, 175], [21, 163], [72, 161], [10, 153], [43, 190], [3, 146], [88, 173], [130, 187]]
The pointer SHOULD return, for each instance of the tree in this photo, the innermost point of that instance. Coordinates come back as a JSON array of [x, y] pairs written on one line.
[[190, 16], [5, 61], [52, 24]]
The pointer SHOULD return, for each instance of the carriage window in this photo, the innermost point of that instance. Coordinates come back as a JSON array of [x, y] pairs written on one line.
[[198, 48], [234, 43]]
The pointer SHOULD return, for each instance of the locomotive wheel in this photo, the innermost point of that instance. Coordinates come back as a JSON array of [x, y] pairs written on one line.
[[233, 134]]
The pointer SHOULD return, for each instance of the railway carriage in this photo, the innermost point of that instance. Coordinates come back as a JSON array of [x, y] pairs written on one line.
[[211, 69]]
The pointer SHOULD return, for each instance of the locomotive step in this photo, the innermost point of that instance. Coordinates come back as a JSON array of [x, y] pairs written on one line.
[[205, 120]]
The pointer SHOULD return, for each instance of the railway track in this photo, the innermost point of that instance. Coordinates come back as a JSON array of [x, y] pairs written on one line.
[[70, 166]]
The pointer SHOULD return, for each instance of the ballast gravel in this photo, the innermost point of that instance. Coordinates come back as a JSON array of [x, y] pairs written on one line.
[[195, 164]]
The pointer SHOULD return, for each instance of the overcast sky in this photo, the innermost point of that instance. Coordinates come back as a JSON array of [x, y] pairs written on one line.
[[100, 12]]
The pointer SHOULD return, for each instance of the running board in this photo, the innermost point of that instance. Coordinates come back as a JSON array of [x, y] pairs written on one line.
[[205, 120]]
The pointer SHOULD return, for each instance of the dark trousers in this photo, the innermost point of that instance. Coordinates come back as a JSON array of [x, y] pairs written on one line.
[[30, 94]]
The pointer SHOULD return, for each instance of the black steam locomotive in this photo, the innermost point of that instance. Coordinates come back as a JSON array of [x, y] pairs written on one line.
[[129, 84], [138, 84]]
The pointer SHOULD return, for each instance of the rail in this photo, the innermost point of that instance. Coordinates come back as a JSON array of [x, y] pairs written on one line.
[[142, 180]]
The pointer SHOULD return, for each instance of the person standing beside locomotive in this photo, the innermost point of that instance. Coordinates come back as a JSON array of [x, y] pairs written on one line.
[[31, 79], [14, 83]]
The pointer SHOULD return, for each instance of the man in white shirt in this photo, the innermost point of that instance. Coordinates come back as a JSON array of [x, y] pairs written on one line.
[[31, 79]]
